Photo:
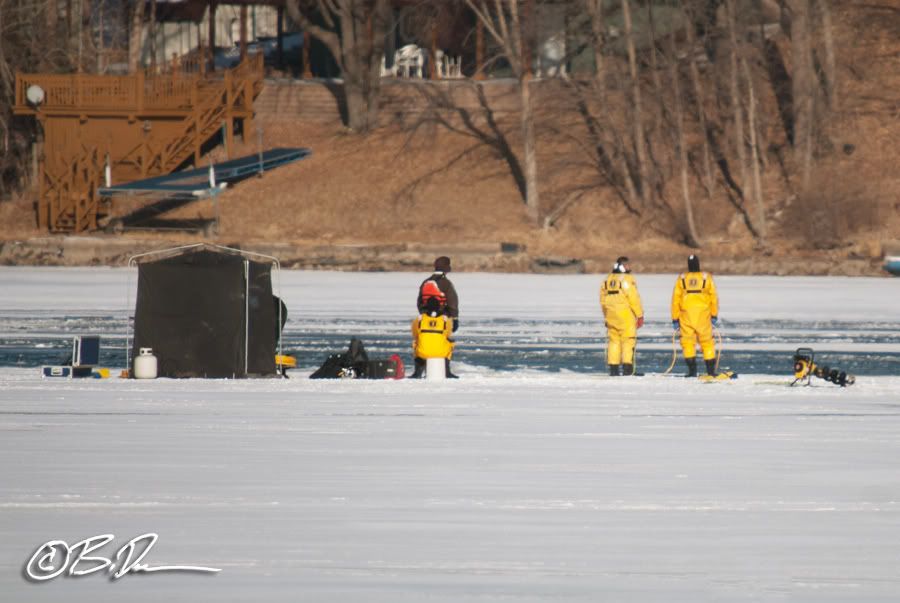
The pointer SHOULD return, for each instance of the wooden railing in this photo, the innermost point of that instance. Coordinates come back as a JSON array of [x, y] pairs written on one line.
[[143, 91], [92, 93]]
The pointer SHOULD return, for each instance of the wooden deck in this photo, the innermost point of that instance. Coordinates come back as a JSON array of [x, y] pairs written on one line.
[[141, 125]]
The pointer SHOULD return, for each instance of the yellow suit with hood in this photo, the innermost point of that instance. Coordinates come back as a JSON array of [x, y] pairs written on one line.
[[431, 336], [694, 303], [621, 305]]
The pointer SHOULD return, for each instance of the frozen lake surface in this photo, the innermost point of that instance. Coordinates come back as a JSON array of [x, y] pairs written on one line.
[[532, 478]]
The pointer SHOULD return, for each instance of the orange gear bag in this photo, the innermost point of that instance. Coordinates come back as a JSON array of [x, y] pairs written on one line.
[[430, 289]]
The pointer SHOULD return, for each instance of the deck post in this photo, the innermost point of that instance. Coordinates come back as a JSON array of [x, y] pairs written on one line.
[[195, 98], [248, 108], [230, 96], [43, 211], [230, 99], [145, 148], [228, 124]]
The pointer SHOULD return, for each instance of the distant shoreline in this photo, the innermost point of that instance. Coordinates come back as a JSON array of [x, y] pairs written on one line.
[[410, 257]]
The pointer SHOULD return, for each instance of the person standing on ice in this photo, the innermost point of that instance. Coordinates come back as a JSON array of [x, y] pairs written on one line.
[[438, 286], [624, 315], [439, 277], [431, 337], [695, 311]]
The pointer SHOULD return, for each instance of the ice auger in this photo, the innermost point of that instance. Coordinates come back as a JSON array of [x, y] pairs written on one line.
[[805, 367]]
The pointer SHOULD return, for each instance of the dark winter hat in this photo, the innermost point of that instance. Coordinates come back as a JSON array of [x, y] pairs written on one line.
[[620, 265], [442, 264], [693, 263]]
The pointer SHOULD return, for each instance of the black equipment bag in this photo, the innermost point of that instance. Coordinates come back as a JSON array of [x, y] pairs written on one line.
[[352, 364], [382, 369], [355, 364]]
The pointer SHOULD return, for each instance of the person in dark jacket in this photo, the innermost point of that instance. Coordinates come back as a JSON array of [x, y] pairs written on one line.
[[451, 303], [439, 285]]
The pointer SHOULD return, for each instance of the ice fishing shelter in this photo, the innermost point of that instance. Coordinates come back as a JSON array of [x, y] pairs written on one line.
[[207, 311]]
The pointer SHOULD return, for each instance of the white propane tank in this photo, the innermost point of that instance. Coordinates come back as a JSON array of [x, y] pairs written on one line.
[[145, 365], [435, 368]]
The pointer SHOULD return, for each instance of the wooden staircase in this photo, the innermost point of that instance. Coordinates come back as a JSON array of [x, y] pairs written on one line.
[[141, 125]]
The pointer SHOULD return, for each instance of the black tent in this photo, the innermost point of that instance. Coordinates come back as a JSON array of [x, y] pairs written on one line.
[[207, 313]]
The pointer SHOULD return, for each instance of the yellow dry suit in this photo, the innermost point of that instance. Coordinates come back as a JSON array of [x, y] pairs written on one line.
[[694, 303], [621, 309], [431, 336]]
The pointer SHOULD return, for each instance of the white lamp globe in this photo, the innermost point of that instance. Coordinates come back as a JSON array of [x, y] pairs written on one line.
[[35, 94]]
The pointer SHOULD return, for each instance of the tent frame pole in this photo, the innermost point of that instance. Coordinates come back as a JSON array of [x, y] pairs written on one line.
[[246, 316]]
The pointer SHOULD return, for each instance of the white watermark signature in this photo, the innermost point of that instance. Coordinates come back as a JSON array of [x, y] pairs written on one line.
[[55, 557]]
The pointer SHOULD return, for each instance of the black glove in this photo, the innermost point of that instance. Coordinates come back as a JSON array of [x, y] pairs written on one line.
[[455, 324]]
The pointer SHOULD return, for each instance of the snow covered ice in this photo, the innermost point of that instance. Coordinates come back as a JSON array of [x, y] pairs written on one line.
[[532, 478]]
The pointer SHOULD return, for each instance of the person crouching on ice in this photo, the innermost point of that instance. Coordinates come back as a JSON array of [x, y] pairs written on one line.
[[695, 311], [431, 337], [624, 316]]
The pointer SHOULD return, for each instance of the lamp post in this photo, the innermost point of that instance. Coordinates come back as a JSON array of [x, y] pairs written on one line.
[[35, 96]]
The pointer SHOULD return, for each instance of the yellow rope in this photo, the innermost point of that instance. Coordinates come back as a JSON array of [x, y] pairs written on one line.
[[674, 354], [634, 359], [718, 335]]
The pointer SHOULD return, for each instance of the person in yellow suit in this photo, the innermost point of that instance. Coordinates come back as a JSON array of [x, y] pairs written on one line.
[[695, 311], [624, 315], [431, 337]]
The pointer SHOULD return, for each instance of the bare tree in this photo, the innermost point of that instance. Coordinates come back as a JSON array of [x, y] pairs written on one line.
[[594, 9], [824, 7], [135, 36], [152, 34], [637, 117], [700, 99], [354, 33], [754, 153], [607, 141], [735, 92], [659, 107], [802, 86], [28, 43], [51, 9], [681, 152], [502, 20], [478, 122]]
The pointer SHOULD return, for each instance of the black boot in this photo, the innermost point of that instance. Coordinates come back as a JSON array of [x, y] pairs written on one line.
[[628, 370], [447, 372], [613, 370], [420, 369], [692, 367], [711, 367]]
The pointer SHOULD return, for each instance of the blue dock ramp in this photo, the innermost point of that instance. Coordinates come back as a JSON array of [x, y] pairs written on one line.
[[206, 182]]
